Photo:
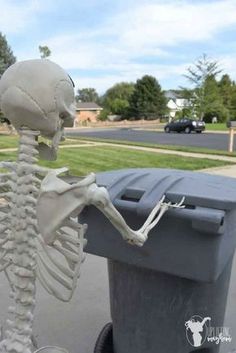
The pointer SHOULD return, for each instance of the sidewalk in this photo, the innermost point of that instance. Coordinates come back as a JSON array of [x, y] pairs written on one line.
[[229, 171]]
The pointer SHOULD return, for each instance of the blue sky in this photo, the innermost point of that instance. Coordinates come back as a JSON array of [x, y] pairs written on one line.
[[101, 42]]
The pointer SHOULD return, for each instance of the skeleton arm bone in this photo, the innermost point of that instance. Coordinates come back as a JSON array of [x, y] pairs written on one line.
[[70, 200], [99, 197]]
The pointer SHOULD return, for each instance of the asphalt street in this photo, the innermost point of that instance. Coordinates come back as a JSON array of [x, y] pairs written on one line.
[[208, 140]]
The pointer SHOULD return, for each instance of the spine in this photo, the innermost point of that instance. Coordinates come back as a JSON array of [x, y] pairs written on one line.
[[23, 198]]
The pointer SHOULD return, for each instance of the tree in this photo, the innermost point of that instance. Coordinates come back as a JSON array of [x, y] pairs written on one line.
[[6, 55], [6, 59], [233, 102], [148, 100], [213, 102], [225, 88], [45, 52], [197, 75], [116, 98], [87, 95]]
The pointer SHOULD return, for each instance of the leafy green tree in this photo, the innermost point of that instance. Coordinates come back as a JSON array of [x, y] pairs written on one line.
[[45, 52], [103, 114], [226, 89], [6, 55], [213, 101], [87, 95], [233, 103], [116, 98], [119, 106], [197, 75], [6, 59], [148, 100], [121, 90]]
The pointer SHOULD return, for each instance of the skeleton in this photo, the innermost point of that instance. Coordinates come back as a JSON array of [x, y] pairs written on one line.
[[38, 237]]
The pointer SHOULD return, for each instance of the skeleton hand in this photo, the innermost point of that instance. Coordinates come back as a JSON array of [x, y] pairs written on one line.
[[158, 211]]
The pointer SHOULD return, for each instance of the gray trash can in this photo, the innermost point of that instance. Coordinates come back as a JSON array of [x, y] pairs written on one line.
[[163, 293]]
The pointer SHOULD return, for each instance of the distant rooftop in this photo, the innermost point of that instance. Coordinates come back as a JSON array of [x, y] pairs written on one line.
[[87, 106], [172, 95]]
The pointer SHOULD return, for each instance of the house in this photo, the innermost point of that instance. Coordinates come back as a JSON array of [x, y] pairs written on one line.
[[175, 103], [87, 112]]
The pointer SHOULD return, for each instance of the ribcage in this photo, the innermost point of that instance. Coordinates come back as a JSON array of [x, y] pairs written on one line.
[[58, 263]]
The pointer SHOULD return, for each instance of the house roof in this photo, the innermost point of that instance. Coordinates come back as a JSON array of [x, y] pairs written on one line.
[[170, 94], [87, 106]]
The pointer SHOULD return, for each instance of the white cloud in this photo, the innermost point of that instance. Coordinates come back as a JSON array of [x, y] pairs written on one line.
[[145, 30], [17, 15], [228, 64], [172, 22], [130, 74], [141, 31]]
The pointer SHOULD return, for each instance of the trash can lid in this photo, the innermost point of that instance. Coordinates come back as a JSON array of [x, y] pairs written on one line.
[[140, 189]]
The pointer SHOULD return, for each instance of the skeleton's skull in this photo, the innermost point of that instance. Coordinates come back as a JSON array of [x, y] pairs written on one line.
[[39, 95]]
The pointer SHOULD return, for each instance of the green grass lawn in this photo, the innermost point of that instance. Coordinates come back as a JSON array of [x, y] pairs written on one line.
[[8, 141], [216, 127], [11, 141], [82, 161]]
